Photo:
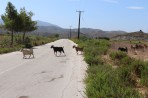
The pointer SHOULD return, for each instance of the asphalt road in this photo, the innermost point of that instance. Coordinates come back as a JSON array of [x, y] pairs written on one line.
[[45, 76]]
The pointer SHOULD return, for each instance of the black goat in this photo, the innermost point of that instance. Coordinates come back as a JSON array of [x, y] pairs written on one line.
[[57, 49], [124, 49]]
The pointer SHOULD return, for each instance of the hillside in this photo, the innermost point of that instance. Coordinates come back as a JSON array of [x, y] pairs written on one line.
[[139, 35]]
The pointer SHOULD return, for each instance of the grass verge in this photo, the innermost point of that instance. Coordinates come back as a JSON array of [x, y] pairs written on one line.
[[103, 81]]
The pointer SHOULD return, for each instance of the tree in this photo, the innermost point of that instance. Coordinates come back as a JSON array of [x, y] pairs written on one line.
[[9, 19], [18, 22], [27, 24], [57, 35]]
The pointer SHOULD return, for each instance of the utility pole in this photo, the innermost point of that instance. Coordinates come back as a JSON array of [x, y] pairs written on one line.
[[70, 32], [79, 23]]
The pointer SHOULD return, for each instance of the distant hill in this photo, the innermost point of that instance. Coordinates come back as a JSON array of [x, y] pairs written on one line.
[[46, 29], [1, 21], [94, 33], [139, 35], [42, 23]]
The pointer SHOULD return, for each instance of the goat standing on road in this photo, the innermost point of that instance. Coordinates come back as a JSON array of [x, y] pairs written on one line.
[[27, 51], [78, 49], [57, 49]]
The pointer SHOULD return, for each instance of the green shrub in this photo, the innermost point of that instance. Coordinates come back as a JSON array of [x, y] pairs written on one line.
[[118, 55], [6, 50], [137, 67], [91, 60], [125, 76], [140, 69], [104, 82]]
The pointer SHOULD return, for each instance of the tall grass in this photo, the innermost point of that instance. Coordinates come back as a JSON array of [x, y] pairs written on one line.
[[103, 81], [30, 41], [137, 68]]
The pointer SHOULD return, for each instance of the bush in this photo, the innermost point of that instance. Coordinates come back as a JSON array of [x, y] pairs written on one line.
[[5, 42], [140, 69], [28, 45], [91, 60], [6, 50], [118, 55]]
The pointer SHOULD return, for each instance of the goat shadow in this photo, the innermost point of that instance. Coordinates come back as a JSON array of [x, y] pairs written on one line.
[[34, 48], [24, 97], [60, 55], [29, 58], [80, 54]]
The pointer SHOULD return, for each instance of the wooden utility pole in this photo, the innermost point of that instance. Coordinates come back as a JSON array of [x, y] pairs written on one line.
[[79, 23], [70, 33]]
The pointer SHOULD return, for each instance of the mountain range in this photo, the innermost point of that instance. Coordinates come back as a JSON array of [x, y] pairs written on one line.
[[46, 29]]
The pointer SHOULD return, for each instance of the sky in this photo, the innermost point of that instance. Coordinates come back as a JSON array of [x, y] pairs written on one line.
[[126, 15]]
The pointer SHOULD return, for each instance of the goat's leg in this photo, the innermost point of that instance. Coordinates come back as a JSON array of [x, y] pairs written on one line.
[[54, 53], [24, 56], [77, 51], [29, 55], [33, 55], [64, 53]]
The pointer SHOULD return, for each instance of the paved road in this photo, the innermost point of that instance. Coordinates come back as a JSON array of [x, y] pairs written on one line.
[[45, 76]]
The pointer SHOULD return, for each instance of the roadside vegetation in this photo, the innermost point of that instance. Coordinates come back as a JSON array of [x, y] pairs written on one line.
[[16, 29], [29, 42], [105, 81]]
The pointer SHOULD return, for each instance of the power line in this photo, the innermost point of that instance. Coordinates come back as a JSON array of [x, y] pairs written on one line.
[[79, 23]]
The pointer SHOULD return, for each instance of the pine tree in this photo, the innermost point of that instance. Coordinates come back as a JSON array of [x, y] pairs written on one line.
[[9, 19]]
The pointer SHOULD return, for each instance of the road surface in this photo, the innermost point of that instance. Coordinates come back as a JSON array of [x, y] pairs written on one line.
[[45, 76]]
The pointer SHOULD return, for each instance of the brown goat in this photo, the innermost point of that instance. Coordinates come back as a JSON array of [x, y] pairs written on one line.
[[145, 45], [133, 47], [140, 46], [78, 49]]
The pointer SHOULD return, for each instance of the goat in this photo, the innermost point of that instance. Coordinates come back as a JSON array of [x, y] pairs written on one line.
[[78, 49], [145, 45], [57, 49], [140, 46], [124, 49], [27, 51], [133, 47]]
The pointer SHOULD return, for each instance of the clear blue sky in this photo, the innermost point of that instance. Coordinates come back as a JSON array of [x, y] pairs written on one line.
[[127, 15]]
